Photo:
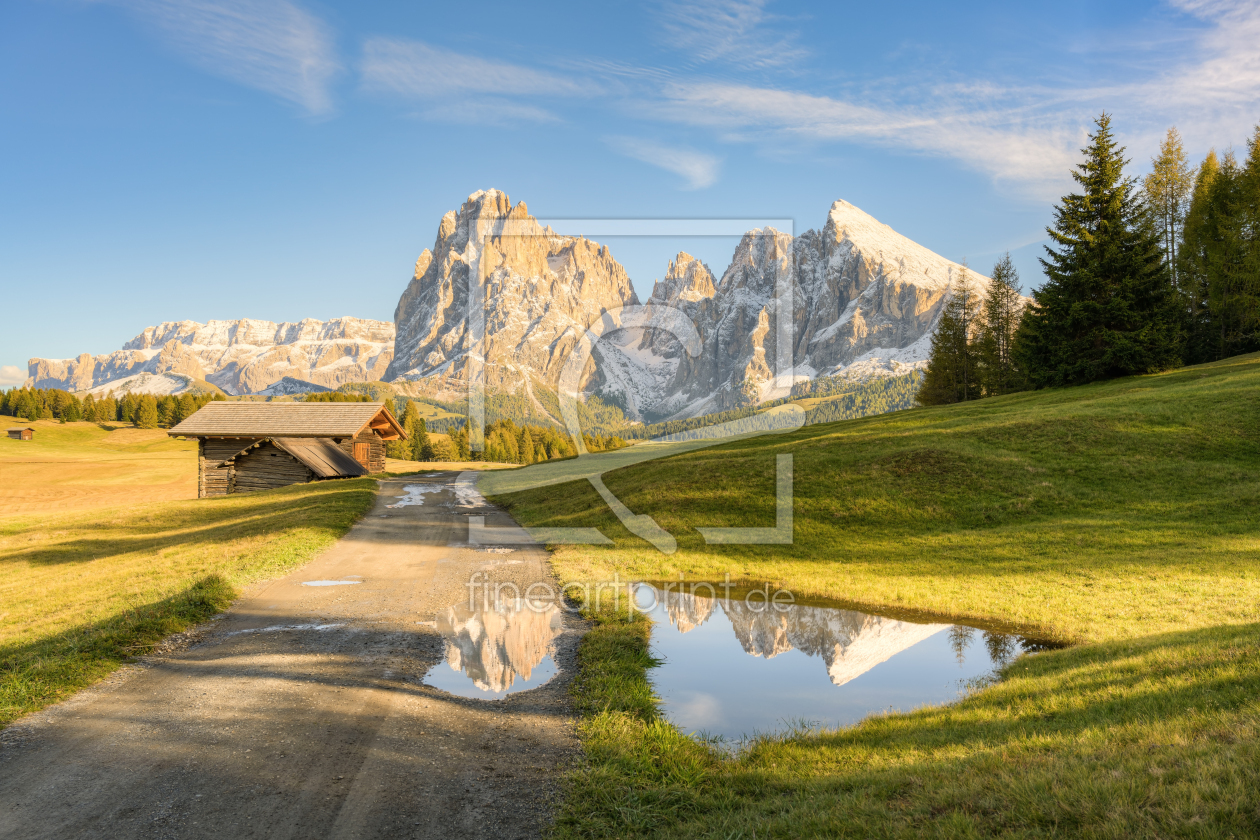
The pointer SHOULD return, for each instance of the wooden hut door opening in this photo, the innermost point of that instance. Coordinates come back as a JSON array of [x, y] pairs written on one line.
[[362, 452]]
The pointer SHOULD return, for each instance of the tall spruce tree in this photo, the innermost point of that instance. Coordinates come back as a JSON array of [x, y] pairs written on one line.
[[953, 372], [1167, 191], [1000, 316], [1232, 255], [418, 431], [1108, 306]]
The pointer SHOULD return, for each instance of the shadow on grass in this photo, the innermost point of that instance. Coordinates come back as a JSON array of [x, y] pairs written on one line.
[[39, 673], [202, 522]]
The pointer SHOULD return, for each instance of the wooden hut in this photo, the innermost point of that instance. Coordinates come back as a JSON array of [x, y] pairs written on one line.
[[22, 433], [244, 446]]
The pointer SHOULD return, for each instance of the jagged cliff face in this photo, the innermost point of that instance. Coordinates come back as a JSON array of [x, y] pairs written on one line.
[[541, 292], [854, 298], [864, 301], [241, 357]]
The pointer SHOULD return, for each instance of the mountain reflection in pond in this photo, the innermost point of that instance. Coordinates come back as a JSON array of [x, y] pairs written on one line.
[[496, 649], [735, 667]]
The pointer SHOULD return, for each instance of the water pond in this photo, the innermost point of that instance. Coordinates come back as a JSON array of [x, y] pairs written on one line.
[[735, 665]]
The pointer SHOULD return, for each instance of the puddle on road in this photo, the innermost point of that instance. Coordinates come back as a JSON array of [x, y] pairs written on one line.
[[496, 650], [735, 667], [280, 628], [330, 582], [415, 493]]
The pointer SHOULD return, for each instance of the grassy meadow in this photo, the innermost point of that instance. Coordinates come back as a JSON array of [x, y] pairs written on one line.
[[104, 550], [78, 466], [1120, 516]]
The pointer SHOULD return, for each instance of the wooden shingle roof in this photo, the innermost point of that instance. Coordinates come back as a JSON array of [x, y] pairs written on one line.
[[325, 458], [288, 420]]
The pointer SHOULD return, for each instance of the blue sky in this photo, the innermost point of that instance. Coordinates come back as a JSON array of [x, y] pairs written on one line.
[[282, 159]]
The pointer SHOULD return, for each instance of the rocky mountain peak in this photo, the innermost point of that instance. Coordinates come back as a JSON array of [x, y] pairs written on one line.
[[540, 291], [687, 279]]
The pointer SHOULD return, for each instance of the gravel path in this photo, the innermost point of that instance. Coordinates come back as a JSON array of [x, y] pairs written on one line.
[[302, 713]]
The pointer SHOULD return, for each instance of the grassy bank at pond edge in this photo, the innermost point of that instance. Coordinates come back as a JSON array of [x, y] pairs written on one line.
[[1119, 516], [84, 592], [1152, 737]]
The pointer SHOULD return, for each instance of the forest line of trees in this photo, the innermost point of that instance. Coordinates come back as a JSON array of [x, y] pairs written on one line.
[[143, 410], [505, 441], [1139, 279]]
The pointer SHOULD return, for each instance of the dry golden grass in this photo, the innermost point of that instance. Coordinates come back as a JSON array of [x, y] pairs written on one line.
[[77, 466], [397, 466]]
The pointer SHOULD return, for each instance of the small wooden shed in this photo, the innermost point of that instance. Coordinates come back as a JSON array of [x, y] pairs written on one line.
[[244, 446], [22, 433]]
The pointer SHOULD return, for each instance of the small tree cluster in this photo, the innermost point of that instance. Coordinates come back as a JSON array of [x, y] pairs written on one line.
[[1108, 307], [971, 354]]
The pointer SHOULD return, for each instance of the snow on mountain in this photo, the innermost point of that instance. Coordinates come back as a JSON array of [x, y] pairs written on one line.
[[854, 299], [241, 357], [158, 384]]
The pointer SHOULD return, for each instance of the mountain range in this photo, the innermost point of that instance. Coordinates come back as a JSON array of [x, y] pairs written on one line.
[[853, 299]]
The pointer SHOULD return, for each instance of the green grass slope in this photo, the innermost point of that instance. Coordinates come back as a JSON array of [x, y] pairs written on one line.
[[81, 592], [1090, 513], [1120, 516]]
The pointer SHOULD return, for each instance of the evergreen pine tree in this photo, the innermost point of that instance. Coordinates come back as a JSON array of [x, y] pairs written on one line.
[[525, 447], [426, 445], [1000, 317], [459, 441], [1232, 255], [146, 414], [1107, 307], [953, 374]]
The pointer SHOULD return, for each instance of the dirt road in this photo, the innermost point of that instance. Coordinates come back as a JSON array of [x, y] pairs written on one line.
[[302, 713]]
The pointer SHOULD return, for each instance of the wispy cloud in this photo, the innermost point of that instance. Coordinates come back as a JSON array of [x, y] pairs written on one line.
[[487, 111], [1037, 156], [1216, 87], [11, 375], [272, 45], [699, 170], [421, 71], [1029, 137], [734, 31]]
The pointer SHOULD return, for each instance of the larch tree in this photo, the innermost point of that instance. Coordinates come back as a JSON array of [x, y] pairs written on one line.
[[1167, 191], [1108, 307], [1197, 236], [146, 413]]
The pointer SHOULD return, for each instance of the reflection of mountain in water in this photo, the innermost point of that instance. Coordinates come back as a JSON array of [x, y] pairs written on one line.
[[850, 642], [495, 645]]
